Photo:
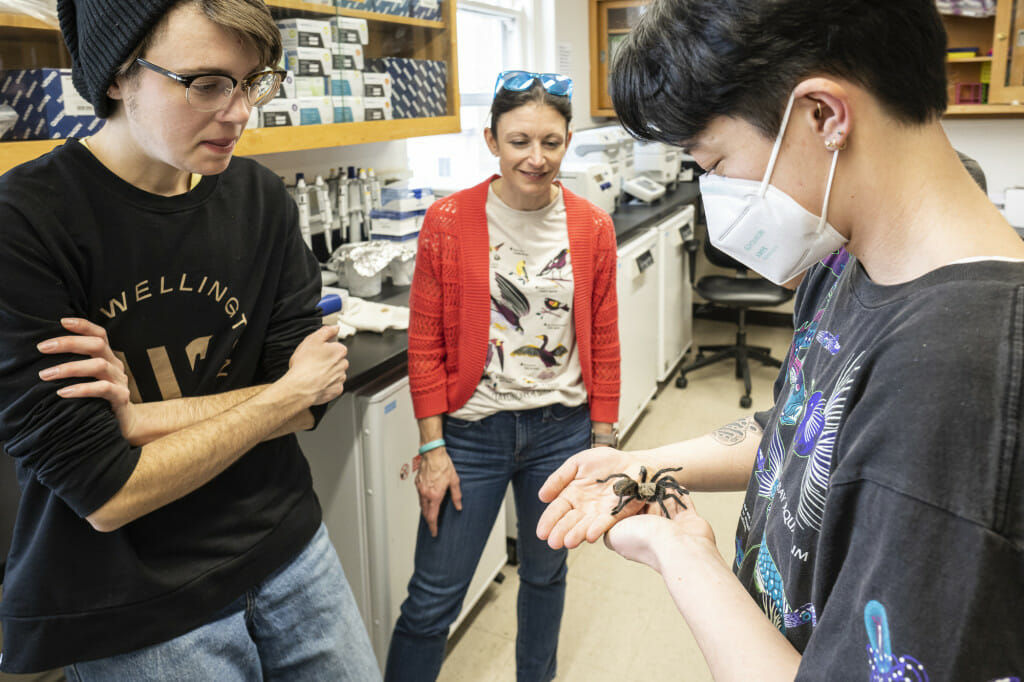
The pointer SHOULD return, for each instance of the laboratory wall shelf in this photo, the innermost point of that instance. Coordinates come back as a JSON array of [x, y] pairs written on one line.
[[27, 42]]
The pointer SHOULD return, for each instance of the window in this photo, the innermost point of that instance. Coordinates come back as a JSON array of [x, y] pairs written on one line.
[[490, 40]]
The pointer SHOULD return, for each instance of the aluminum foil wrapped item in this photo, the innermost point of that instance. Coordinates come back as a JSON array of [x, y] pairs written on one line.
[[361, 266], [402, 265]]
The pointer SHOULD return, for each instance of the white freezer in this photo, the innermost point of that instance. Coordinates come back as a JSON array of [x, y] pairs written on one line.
[[637, 286], [363, 473], [675, 294]]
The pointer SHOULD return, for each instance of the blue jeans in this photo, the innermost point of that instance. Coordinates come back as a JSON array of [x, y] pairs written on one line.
[[522, 447], [301, 623]]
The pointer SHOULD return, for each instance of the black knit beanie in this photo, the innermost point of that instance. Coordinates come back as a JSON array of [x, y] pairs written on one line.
[[100, 34]]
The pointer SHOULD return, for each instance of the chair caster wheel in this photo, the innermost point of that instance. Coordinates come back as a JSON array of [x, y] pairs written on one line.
[[745, 402], [681, 382]]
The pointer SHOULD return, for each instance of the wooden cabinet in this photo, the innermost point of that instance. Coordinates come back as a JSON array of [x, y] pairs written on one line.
[[610, 22], [28, 43], [999, 61], [998, 64]]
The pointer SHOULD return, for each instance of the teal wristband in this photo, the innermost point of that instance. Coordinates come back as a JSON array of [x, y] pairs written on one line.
[[432, 445]]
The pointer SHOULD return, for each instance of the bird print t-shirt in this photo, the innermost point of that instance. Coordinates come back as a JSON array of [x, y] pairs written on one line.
[[882, 529], [532, 359]]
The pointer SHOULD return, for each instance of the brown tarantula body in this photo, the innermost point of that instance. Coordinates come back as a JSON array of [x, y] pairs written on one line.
[[658, 489]]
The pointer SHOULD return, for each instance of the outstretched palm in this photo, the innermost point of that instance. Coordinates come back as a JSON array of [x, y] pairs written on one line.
[[580, 507]]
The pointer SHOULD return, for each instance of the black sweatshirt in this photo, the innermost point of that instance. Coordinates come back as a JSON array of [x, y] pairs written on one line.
[[200, 293]]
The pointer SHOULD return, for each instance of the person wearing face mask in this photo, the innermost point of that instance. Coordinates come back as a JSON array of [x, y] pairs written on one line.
[[162, 344], [513, 366], [880, 537]]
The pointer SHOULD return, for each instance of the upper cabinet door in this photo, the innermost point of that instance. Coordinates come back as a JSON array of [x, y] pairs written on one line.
[[610, 23], [1008, 53]]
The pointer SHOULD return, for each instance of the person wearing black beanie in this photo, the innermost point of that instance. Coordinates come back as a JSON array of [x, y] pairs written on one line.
[[161, 345]]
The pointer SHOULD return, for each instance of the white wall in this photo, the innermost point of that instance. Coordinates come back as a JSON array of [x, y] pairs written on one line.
[[385, 158], [572, 30], [995, 143]]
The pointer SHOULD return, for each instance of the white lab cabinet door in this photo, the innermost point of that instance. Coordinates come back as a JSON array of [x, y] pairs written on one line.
[[675, 294], [335, 460], [364, 465], [637, 286]]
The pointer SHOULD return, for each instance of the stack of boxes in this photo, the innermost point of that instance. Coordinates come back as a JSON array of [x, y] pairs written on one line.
[[400, 216], [329, 80], [46, 104]]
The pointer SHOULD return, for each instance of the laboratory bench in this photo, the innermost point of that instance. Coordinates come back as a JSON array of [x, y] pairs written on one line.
[[371, 354]]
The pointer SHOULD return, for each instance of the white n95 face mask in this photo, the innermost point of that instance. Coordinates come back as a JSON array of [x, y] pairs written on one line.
[[763, 227]]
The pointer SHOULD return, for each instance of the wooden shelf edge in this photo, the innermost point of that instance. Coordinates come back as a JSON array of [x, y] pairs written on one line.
[[329, 10], [993, 110], [24, 21], [274, 140]]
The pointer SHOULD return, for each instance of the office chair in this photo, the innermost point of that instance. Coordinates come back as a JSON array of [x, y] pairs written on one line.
[[739, 293]]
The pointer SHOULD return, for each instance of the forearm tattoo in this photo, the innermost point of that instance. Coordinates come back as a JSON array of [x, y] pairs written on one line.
[[737, 432]]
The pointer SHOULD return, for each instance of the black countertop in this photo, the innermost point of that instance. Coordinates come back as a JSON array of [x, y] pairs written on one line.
[[371, 354]]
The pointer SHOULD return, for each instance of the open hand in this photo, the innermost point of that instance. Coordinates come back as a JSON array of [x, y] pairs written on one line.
[[580, 507]]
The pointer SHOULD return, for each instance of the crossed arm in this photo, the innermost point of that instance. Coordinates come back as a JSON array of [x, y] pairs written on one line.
[[186, 442]]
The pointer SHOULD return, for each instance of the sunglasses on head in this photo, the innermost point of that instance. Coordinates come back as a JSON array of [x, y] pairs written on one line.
[[518, 81]]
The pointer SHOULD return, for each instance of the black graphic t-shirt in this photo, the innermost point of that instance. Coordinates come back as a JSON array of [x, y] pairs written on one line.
[[200, 293], [882, 529]]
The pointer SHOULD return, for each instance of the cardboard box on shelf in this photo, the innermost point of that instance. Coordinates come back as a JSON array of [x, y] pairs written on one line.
[[376, 84], [425, 9], [347, 56], [419, 86], [297, 33], [315, 110], [395, 7], [377, 109], [347, 83], [279, 112], [47, 105], [348, 109], [349, 30], [308, 61]]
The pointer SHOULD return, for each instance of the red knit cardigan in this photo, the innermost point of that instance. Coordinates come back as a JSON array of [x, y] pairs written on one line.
[[450, 308]]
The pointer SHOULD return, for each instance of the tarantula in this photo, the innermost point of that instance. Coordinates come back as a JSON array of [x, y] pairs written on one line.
[[658, 489]]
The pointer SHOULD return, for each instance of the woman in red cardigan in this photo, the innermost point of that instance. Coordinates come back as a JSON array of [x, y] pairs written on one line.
[[513, 367]]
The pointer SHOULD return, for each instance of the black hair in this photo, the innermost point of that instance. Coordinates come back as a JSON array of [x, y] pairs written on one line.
[[507, 100], [688, 61]]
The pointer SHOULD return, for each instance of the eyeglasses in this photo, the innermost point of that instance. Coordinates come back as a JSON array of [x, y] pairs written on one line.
[[519, 81], [211, 91]]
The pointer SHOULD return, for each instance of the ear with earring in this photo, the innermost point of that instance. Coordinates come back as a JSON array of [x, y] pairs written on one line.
[[833, 144]]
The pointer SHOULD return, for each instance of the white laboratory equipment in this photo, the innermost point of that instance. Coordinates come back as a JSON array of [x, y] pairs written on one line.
[[595, 146], [363, 458], [592, 182], [658, 161], [637, 287], [675, 293], [643, 188]]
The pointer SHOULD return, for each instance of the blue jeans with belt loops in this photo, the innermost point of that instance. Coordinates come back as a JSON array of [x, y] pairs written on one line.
[[301, 623], [523, 447]]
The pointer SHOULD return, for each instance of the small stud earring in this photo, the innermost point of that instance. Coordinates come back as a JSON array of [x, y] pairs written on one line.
[[835, 144], [817, 114]]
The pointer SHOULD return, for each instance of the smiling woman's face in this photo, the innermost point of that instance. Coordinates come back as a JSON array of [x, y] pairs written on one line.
[[530, 143]]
